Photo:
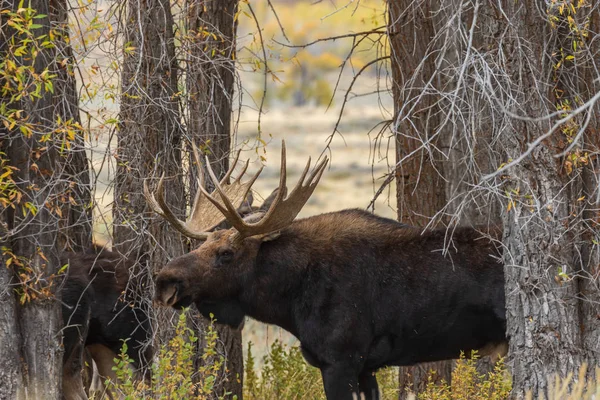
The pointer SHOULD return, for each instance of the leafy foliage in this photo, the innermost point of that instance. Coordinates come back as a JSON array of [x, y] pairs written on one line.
[[468, 384], [174, 375], [286, 375]]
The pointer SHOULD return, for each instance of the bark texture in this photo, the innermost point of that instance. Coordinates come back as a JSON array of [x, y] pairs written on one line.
[[149, 135], [76, 202], [549, 321], [30, 319], [149, 145], [420, 185], [478, 83], [420, 189], [210, 82]]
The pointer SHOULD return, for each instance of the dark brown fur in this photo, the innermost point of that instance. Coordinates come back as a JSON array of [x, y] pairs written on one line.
[[99, 315], [359, 291]]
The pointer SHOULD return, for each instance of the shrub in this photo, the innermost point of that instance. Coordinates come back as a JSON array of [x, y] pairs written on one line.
[[468, 384], [286, 375], [568, 389], [173, 374]]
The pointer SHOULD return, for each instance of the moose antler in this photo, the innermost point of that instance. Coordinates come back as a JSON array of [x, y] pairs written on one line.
[[282, 211], [203, 216]]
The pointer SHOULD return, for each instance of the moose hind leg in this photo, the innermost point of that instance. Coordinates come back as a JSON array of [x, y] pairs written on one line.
[[367, 382], [72, 380], [340, 382]]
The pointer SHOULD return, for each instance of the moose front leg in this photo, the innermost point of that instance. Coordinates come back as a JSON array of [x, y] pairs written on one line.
[[367, 382], [341, 382]]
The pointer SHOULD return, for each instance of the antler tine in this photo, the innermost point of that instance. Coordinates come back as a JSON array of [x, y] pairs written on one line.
[[151, 199], [244, 171], [282, 212], [282, 182], [254, 178], [201, 180], [300, 183], [231, 168], [160, 207], [227, 209], [315, 178]]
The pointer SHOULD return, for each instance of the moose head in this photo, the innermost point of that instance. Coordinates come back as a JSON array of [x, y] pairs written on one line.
[[215, 270]]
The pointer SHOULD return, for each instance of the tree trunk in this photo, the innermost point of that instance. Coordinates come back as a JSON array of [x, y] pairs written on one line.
[[420, 189], [590, 233], [149, 134], [11, 374], [76, 228], [550, 278], [149, 144], [210, 82], [30, 318], [478, 80], [420, 186]]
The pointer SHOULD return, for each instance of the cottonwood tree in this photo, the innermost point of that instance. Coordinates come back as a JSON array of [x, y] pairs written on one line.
[[40, 149], [420, 185], [502, 98], [75, 233], [149, 136], [158, 122], [210, 79]]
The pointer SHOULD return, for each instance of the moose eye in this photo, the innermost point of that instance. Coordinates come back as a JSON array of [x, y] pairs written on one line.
[[225, 256]]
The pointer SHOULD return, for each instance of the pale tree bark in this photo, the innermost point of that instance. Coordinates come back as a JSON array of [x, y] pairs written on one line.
[[501, 70], [11, 376], [590, 212], [552, 323], [210, 82], [30, 317], [149, 144]]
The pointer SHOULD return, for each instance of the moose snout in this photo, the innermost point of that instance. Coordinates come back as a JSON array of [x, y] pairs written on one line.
[[168, 292]]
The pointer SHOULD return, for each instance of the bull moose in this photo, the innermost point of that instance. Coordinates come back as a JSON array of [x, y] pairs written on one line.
[[98, 317], [360, 292]]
